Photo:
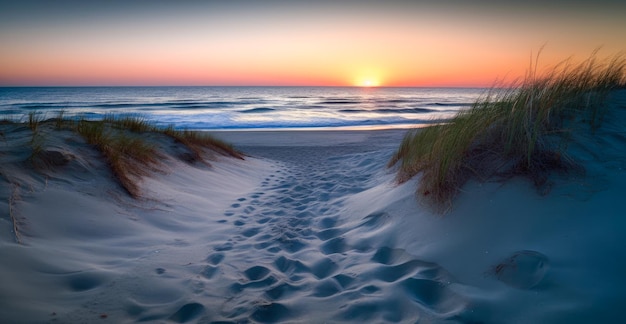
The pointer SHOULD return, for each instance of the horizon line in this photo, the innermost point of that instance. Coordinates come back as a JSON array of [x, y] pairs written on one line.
[[238, 86]]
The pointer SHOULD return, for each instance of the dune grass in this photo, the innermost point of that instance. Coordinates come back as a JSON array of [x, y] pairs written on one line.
[[135, 124], [59, 120], [33, 120], [130, 156], [132, 146], [196, 142], [36, 145], [519, 130]]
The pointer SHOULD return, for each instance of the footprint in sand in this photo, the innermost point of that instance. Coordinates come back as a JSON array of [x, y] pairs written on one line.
[[83, 281], [291, 245], [433, 295], [250, 232], [187, 313], [215, 259], [523, 269]]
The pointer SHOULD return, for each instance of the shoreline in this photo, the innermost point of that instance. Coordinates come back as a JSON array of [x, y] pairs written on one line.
[[363, 128]]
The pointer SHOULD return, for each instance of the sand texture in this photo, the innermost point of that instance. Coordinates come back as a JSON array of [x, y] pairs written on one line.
[[310, 228]]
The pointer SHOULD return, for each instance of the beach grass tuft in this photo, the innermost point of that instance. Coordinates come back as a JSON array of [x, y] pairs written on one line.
[[33, 120], [518, 130], [59, 120], [36, 145], [135, 124], [122, 142], [197, 141], [129, 157]]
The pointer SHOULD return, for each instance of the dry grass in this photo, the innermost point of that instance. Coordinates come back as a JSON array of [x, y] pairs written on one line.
[[33, 120], [36, 146], [59, 120], [196, 142], [129, 157], [135, 124], [521, 130], [121, 141]]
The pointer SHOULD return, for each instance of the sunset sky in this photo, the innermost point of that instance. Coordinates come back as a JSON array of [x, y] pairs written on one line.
[[319, 43]]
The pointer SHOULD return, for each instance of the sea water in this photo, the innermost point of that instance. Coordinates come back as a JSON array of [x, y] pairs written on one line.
[[245, 108]]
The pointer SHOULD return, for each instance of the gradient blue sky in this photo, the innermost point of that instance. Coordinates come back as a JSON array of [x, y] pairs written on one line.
[[424, 43]]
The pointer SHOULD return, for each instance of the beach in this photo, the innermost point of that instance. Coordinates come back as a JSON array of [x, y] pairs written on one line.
[[310, 228], [314, 162]]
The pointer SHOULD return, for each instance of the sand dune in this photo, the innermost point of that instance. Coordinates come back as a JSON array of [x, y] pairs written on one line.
[[311, 228]]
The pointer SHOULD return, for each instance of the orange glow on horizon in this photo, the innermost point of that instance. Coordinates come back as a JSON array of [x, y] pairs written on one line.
[[203, 44], [85, 70]]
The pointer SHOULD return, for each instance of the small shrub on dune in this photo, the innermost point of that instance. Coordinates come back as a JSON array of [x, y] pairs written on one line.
[[521, 130]]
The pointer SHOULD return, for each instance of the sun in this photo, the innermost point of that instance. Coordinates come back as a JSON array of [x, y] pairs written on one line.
[[368, 82]]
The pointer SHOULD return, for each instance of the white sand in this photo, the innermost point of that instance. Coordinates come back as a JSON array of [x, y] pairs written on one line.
[[310, 229]]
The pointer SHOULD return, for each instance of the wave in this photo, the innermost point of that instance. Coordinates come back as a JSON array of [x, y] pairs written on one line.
[[339, 102], [173, 104], [257, 110], [42, 106], [391, 110], [10, 112], [455, 104], [179, 104], [395, 101]]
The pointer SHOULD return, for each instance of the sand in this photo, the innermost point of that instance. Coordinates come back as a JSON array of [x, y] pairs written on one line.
[[310, 228]]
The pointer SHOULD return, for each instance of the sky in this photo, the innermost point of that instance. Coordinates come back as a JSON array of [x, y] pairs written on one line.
[[297, 43]]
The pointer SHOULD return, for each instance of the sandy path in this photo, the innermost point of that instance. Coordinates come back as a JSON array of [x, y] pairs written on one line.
[[291, 258]]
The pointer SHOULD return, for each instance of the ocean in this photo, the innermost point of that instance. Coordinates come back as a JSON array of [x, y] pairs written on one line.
[[246, 108]]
